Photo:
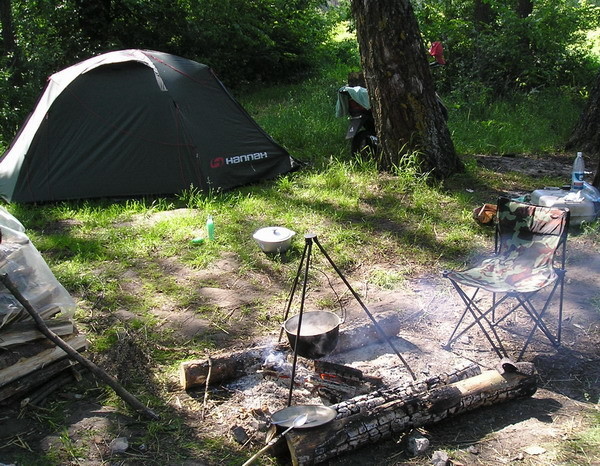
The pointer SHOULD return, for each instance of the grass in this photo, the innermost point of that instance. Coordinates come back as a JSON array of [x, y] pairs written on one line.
[[125, 255], [527, 124], [583, 448]]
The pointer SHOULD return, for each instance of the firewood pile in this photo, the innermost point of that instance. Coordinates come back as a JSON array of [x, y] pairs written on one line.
[[31, 365]]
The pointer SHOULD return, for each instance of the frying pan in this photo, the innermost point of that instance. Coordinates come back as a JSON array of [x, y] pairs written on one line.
[[317, 415]]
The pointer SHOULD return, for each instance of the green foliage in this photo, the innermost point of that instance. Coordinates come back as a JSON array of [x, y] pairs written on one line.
[[136, 255], [302, 115], [254, 41], [508, 51], [585, 444], [533, 123]]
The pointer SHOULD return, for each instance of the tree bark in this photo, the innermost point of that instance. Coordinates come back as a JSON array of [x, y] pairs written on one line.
[[586, 134], [378, 415], [407, 115]]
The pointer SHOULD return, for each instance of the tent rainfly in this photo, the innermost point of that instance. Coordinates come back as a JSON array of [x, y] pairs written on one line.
[[136, 122]]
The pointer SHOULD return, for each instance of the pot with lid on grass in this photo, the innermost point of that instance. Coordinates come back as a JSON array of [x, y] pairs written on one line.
[[274, 239]]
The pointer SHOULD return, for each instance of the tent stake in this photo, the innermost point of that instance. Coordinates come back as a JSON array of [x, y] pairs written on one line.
[[94, 369]]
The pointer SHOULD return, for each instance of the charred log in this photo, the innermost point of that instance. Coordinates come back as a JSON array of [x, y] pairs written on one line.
[[232, 365], [370, 418]]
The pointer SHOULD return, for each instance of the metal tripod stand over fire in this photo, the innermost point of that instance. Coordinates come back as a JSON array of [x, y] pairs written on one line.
[[321, 343]]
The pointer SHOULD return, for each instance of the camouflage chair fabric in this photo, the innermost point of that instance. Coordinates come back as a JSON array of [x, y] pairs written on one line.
[[527, 239]]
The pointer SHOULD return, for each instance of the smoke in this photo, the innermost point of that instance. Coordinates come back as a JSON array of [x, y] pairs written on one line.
[[277, 361]]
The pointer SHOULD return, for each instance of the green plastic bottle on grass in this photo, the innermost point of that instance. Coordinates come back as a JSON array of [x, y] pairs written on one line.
[[210, 228]]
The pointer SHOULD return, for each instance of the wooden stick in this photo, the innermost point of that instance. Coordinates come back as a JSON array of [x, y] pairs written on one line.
[[41, 393], [94, 369], [28, 382], [24, 332], [29, 365], [206, 388]]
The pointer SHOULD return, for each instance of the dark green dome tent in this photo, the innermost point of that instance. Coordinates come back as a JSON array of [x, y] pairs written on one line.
[[136, 122]]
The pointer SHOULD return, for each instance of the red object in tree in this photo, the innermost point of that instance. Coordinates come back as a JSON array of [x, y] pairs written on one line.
[[437, 51]]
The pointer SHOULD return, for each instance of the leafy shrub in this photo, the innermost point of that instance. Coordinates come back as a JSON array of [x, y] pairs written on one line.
[[243, 41], [511, 51]]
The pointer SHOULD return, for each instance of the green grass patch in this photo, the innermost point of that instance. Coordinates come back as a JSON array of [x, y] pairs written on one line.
[[536, 123], [584, 448]]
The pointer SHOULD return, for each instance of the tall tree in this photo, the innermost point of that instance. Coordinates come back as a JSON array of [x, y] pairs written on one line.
[[407, 114], [482, 14], [524, 8], [586, 135], [95, 20], [9, 44]]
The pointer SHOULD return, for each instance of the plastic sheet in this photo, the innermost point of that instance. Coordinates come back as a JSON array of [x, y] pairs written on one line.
[[28, 270]]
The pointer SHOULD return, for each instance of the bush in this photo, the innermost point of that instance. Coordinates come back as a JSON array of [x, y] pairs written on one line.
[[508, 52], [243, 41]]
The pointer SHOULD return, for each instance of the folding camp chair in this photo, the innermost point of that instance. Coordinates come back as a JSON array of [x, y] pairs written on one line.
[[530, 248]]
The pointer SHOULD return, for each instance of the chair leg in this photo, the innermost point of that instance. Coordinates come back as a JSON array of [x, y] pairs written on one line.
[[467, 300], [453, 336], [538, 319], [478, 316], [561, 277]]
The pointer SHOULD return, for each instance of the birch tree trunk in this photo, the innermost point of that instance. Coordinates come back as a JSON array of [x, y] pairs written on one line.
[[407, 114]]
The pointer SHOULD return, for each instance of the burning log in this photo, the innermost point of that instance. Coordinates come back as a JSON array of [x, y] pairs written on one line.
[[222, 367], [369, 418], [347, 374], [337, 382], [229, 366]]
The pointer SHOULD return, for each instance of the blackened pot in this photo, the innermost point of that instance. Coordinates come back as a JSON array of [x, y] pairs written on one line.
[[319, 333]]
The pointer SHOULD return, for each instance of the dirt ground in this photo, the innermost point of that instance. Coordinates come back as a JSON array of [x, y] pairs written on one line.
[[526, 431]]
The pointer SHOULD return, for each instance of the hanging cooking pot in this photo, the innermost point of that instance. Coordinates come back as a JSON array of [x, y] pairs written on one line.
[[319, 332]]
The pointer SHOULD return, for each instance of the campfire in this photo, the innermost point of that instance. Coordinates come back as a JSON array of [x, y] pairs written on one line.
[[363, 385], [357, 391], [369, 389]]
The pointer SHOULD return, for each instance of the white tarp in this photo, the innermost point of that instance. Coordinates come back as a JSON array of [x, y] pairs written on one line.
[[26, 268]]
